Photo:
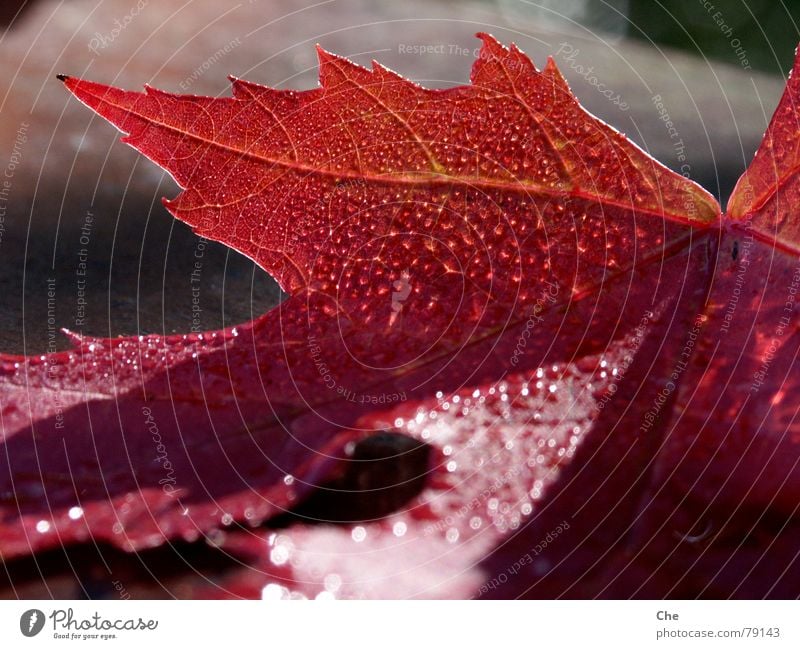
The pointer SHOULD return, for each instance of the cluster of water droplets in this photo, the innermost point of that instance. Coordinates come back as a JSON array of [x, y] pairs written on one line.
[[501, 446]]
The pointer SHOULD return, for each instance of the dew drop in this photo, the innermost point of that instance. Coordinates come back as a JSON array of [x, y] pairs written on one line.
[[359, 534], [332, 582], [279, 555], [273, 592], [324, 595]]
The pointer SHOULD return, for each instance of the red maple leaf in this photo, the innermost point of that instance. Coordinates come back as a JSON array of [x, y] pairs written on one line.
[[599, 364]]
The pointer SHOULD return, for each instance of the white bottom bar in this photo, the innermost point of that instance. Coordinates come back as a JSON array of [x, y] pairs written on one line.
[[402, 624]]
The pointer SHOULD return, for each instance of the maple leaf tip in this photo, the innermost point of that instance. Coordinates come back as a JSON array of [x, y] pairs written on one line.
[[324, 55], [489, 41], [377, 66], [74, 337], [796, 64]]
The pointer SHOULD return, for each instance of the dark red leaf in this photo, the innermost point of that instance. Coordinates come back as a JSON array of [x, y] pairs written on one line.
[[487, 269]]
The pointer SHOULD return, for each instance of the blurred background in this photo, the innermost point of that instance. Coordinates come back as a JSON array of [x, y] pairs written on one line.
[[82, 211]]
